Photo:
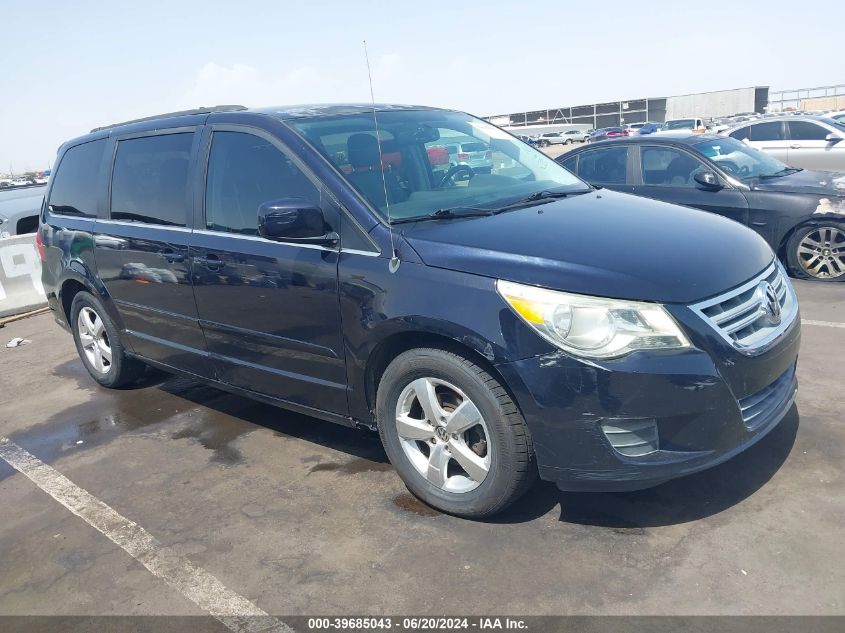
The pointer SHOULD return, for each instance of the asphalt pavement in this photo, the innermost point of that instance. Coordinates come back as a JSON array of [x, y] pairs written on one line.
[[298, 516]]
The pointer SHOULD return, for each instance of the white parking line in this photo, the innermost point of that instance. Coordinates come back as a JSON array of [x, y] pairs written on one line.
[[196, 584], [822, 323]]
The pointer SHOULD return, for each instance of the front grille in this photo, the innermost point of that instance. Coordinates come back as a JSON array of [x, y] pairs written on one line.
[[633, 438], [746, 316], [758, 407]]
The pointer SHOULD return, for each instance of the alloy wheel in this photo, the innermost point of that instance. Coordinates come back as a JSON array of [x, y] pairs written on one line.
[[94, 340], [821, 252], [443, 435]]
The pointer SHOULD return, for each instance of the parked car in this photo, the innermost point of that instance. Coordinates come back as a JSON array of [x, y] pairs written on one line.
[[574, 136], [472, 324], [19, 209], [607, 133], [633, 128], [649, 128], [801, 214], [694, 124], [550, 138], [810, 142], [472, 154]]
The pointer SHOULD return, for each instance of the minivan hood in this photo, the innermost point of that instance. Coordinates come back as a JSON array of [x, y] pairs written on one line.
[[600, 243], [823, 183]]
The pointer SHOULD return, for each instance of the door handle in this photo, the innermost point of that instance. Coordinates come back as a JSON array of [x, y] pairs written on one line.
[[796, 146], [172, 257], [212, 262]]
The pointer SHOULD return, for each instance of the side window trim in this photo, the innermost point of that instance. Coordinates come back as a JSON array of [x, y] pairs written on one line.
[[111, 153]]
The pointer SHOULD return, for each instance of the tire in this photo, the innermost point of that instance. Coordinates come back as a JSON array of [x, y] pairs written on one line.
[[490, 433], [568, 141], [817, 252], [98, 344]]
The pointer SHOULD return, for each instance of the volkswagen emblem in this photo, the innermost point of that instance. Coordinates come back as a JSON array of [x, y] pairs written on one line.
[[770, 302]]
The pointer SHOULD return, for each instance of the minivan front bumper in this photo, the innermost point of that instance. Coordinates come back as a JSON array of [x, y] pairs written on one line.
[[644, 419]]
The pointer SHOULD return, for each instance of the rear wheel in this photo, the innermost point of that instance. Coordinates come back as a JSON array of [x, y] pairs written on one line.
[[99, 345], [818, 252], [453, 433]]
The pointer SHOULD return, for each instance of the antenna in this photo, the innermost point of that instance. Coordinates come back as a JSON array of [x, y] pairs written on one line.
[[393, 266]]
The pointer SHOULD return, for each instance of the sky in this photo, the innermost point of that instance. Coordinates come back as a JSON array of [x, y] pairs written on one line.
[[69, 66]]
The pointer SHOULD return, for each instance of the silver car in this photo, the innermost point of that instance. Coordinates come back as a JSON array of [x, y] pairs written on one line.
[[809, 142], [473, 154]]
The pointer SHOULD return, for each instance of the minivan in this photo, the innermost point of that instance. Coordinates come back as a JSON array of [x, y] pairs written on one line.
[[491, 327]]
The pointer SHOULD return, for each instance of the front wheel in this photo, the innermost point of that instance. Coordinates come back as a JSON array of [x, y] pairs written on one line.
[[818, 252], [453, 433]]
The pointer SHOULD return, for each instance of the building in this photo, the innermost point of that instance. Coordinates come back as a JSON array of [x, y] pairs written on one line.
[[598, 115]]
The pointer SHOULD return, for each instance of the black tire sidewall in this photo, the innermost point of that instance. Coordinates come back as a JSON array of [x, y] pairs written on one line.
[[122, 369], [792, 261], [491, 495]]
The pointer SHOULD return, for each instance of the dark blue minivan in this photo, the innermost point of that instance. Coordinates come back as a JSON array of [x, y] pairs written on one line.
[[491, 325]]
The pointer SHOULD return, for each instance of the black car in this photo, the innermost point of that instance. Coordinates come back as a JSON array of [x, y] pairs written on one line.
[[800, 213], [310, 258]]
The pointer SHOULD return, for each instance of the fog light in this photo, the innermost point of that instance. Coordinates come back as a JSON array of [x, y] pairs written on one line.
[[631, 437]]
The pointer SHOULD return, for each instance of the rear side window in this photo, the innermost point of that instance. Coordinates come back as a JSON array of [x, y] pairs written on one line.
[[771, 131], [606, 166], [741, 134], [571, 164], [76, 182], [806, 131], [150, 179], [245, 171]]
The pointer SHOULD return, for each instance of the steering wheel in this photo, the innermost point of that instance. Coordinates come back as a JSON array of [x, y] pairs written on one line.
[[732, 168], [454, 171]]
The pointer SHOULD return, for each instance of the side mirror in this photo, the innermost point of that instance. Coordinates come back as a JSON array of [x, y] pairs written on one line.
[[707, 180], [294, 220], [832, 138]]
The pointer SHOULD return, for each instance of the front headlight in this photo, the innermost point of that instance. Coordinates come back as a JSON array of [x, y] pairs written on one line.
[[593, 327]]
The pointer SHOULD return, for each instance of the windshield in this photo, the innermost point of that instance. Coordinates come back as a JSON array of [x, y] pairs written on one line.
[[679, 124], [419, 169], [740, 160]]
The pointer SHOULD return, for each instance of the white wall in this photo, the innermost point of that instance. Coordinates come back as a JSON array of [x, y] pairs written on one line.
[[710, 104]]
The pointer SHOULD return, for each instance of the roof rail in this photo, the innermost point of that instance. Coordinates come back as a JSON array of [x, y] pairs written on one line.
[[166, 115]]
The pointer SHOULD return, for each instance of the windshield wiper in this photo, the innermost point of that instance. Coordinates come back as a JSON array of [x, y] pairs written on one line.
[[783, 172], [449, 213], [539, 196]]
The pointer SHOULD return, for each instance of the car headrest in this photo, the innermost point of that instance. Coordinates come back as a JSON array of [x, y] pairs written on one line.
[[362, 151]]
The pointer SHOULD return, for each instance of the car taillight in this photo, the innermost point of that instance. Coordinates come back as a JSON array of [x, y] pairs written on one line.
[[463, 156], [624, 133], [39, 246]]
